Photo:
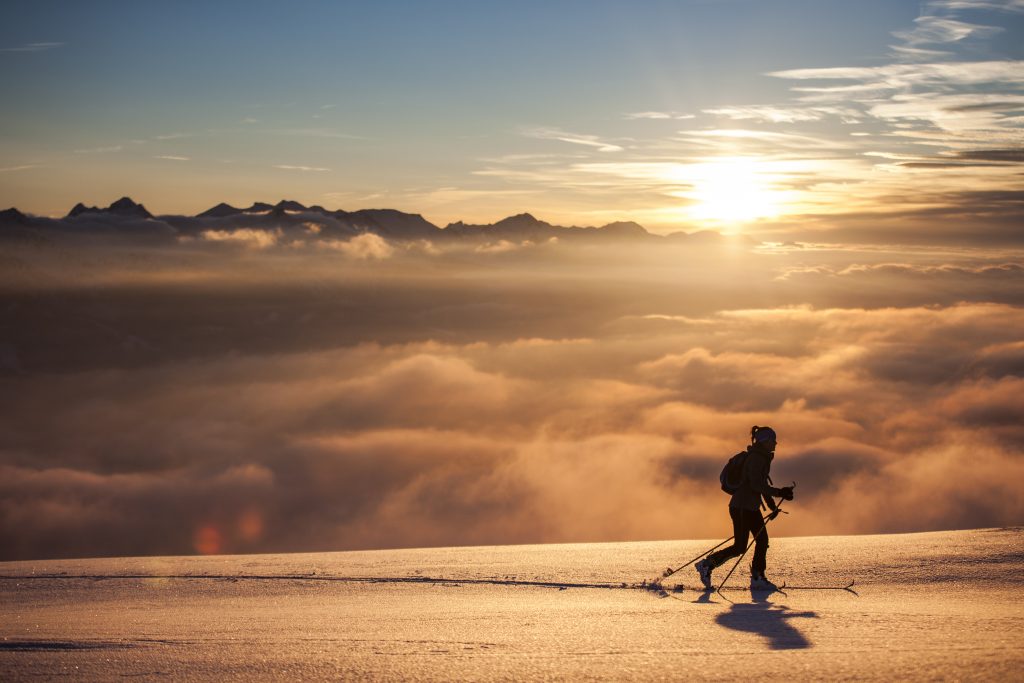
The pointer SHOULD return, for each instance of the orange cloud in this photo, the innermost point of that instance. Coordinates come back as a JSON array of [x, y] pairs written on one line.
[[428, 400]]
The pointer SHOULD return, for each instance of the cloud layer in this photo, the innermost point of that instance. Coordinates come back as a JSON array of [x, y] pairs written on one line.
[[168, 402]]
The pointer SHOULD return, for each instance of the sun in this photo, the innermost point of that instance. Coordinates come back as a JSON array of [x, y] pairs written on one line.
[[732, 190]]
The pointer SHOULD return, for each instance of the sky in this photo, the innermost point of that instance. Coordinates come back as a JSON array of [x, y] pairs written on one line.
[[770, 118], [845, 176]]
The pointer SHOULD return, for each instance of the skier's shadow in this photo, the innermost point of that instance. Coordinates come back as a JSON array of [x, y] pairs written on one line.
[[768, 620]]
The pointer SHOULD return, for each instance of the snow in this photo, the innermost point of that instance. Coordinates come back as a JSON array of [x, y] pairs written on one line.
[[928, 606]]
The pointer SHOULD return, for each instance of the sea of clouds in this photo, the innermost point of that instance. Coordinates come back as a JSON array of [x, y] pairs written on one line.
[[215, 397]]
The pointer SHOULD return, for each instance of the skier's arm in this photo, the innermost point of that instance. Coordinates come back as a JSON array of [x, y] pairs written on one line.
[[757, 475]]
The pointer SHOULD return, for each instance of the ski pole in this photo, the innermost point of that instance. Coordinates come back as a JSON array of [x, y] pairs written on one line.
[[740, 559], [669, 572]]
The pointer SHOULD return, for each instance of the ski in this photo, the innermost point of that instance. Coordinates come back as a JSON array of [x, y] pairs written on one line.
[[848, 587], [778, 589]]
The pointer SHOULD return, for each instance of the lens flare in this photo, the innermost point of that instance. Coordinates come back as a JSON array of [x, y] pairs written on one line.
[[250, 525], [207, 540]]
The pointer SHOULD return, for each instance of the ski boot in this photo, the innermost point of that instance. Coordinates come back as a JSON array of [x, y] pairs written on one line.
[[704, 570], [758, 582]]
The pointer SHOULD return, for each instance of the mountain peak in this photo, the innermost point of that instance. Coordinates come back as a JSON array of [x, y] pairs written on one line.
[[122, 207], [126, 207], [219, 211], [520, 218], [123, 203], [625, 228], [81, 208], [13, 215]]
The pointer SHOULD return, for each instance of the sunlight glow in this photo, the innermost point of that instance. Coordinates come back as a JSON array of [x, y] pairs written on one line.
[[732, 190]]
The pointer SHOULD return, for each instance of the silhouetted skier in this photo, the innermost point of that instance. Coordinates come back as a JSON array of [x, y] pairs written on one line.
[[745, 510]]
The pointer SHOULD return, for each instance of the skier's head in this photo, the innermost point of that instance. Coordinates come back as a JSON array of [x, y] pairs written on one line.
[[763, 437]]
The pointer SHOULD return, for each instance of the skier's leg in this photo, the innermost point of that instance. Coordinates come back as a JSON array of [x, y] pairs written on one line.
[[740, 532], [760, 531]]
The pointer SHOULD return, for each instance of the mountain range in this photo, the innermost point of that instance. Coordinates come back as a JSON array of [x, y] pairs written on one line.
[[127, 218]]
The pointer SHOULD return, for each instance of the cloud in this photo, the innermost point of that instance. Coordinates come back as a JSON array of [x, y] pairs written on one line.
[[983, 117], [33, 47], [1010, 272], [778, 114], [171, 158], [247, 237], [990, 5], [572, 138], [932, 29], [906, 175], [936, 95], [438, 444], [327, 133], [365, 247], [919, 54], [286, 167], [100, 150], [900, 76], [658, 115], [771, 137], [196, 398], [1013, 156]]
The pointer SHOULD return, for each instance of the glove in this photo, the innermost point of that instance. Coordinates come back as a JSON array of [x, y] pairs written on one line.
[[787, 492], [773, 514]]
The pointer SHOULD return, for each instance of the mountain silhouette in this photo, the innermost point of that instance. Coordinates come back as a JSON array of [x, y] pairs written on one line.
[[525, 226], [122, 207], [310, 223], [220, 211], [12, 215]]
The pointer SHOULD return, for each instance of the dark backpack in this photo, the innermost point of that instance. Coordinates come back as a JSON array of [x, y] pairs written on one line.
[[732, 474]]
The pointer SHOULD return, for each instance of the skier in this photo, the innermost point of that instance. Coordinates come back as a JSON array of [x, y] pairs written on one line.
[[745, 509]]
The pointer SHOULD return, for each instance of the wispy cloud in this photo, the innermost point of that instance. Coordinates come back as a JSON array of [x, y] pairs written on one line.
[[775, 138], [288, 167], [658, 115], [899, 76], [169, 157], [314, 133], [972, 116], [943, 106], [23, 167], [572, 138], [781, 114], [930, 30], [100, 150], [990, 5], [918, 54], [33, 47]]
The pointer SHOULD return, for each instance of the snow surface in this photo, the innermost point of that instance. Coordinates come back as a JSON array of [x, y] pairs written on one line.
[[930, 606]]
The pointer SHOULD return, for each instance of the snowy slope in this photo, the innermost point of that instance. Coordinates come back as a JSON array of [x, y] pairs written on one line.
[[928, 606]]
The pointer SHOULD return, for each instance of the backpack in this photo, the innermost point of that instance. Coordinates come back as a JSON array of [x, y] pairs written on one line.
[[732, 474]]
